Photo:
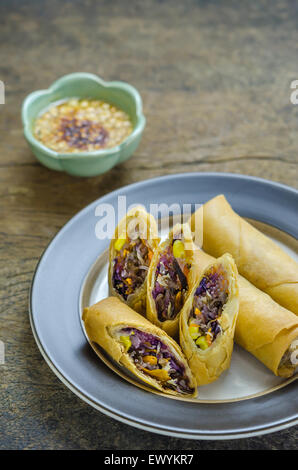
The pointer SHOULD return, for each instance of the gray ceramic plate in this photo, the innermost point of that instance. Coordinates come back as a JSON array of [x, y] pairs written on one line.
[[247, 400]]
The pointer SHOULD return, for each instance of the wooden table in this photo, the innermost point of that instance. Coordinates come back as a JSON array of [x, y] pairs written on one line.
[[215, 81]]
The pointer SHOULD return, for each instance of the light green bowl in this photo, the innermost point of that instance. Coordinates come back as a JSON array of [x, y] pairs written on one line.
[[84, 85]]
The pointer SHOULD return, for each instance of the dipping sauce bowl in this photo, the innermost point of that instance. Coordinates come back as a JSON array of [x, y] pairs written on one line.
[[77, 154]]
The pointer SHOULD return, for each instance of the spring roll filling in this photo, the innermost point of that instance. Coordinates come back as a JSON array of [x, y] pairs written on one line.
[[171, 285], [130, 265], [151, 356], [290, 357], [209, 299]]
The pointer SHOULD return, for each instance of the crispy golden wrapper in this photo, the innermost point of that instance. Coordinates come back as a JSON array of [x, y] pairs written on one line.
[[257, 257], [207, 365], [137, 219], [105, 318]]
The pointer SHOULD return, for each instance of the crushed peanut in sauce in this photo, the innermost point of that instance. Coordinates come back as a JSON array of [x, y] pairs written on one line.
[[80, 125]]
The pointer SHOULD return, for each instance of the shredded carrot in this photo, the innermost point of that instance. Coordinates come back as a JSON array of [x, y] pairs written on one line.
[[159, 374], [185, 270], [209, 337], [150, 360]]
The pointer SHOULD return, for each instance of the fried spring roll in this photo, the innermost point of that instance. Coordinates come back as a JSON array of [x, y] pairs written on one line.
[[208, 319], [258, 258], [171, 276], [144, 349], [264, 328], [130, 254]]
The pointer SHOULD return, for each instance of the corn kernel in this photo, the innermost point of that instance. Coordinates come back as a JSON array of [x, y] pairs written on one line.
[[178, 249]]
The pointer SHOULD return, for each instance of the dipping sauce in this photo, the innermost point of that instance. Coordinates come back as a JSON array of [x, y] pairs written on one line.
[[81, 125]]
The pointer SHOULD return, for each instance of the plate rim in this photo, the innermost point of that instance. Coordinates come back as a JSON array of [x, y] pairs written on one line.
[[192, 434]]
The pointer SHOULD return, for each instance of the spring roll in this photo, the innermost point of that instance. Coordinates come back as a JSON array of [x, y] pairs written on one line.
[[144, 349], [258, 258], [130, 254], [171, 276], [208, 320], [264, 328]]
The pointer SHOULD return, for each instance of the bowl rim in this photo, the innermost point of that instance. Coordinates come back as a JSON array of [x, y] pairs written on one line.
[[60, 82]]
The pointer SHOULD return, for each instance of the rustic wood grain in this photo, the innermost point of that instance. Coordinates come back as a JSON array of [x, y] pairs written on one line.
[[215, 80]]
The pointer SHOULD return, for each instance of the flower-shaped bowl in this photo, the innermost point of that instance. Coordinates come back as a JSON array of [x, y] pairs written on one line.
[[84, 85]]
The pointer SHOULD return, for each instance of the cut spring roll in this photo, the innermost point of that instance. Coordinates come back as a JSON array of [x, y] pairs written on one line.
[[130, 254], [171, 276], [264, 328], [208, 319], [258, 258], [144, 349]]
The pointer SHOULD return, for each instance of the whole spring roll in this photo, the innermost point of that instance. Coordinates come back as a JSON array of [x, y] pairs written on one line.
[[130, 254], [171, 276], [258, 258], [144, 349], [208, 319], [264, 328]]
